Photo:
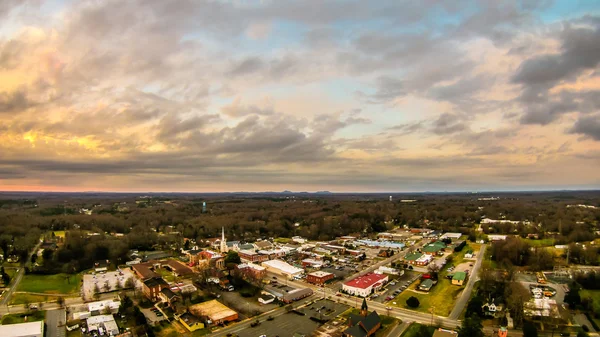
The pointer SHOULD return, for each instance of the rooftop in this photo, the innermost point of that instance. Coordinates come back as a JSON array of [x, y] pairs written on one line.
[[283, 266], [214, 309], [459, 276], [365, 281], [320, 274], [22, 329]]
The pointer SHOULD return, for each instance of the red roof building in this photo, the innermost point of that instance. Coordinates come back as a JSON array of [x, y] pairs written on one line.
[[365, 285]]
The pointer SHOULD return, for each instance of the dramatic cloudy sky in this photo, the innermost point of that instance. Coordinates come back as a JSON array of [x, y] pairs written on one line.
[[248, 95]]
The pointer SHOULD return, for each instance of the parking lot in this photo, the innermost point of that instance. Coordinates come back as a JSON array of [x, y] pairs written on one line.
[[97, 279], [398, 285], [290, 323], [153, 316]]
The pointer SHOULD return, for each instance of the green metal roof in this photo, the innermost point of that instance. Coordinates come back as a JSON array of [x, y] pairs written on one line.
[[427, 283], [459, 276], [412, 256]]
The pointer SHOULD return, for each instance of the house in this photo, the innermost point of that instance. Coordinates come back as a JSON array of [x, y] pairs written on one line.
[[364, 325], [426, 285], [153, 286], [444, 333], [266, 298], [496, 237], [365, 285], [469, 254], [168, 296], [30, 329], [385, 253], [319, 277], [459, 278], [215, 311], [190, 322], [492, 309]]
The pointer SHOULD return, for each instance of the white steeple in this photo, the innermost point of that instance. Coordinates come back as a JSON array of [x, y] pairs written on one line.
[[223, 241]]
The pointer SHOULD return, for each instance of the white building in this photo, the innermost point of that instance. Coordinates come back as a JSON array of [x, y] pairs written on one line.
[[282, 268], [365, 285], [496, 237], [453, 236], [105, 323], [31, 329], [298, 239], [390, 271]]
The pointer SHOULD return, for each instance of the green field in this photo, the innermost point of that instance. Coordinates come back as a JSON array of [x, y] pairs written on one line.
[[20, 318], [442, 297], [412, 330], [27, 298], [51, 284], [594, 295], [60, 234], [166, 275], [540, 243]]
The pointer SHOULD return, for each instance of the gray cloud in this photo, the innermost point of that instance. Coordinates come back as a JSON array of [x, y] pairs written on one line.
[[588, 126], [408, 128], [448, 123], [13, 102]]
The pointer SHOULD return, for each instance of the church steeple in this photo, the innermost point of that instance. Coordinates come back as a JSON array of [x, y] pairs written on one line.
[[364, 308], [223, 241]]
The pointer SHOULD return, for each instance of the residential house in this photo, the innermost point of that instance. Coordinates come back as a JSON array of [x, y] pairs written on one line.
[[469, 254], [458, 279], [426, 285], [191, 322], [168, 296], [364, 325]]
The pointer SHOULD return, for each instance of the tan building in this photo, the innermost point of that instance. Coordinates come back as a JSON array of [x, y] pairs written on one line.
[[216, 312]]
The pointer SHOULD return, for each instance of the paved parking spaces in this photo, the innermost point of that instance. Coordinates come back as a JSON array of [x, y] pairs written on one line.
[[290, 323], [112, 277], [400, 284]]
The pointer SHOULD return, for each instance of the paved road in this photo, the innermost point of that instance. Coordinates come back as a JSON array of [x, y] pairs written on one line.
[[466, 293], [55, 323], [398, 330], [17, 279]]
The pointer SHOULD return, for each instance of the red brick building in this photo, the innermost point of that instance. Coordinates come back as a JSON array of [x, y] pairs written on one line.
[[319, 277], [152, 287]]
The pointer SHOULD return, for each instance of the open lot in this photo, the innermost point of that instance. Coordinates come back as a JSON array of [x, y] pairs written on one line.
[[290, 323], [112, 277], [245, 306], [441, 297], [21, 318], [20, 298], [50, 284]]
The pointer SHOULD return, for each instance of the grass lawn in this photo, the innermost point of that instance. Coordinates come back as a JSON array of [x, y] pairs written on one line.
[[20, 318], [167, 275], [51, 284], [412, 330], [27, 298], [442, 296], [594, 295], [60, 234], [540, 243], [283, 240]]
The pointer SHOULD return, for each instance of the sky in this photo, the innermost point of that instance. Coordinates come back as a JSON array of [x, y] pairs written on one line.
[[312, 95]]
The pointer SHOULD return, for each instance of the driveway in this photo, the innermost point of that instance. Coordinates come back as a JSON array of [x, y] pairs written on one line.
[[55, 323]]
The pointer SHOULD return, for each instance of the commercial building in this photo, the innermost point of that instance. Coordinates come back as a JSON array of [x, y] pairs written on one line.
[[282, 268], [152, 287], [178, 269], [215, 311], [365, 285], [266, 298], [144, 270], [296, 295], [319, 277], [252, 256], [31, 329], [389, 271], [459, 278], [418, 259], [435, 248], [103, 324], [452, 236], [312, 263], [252, 270], [496, 237]]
